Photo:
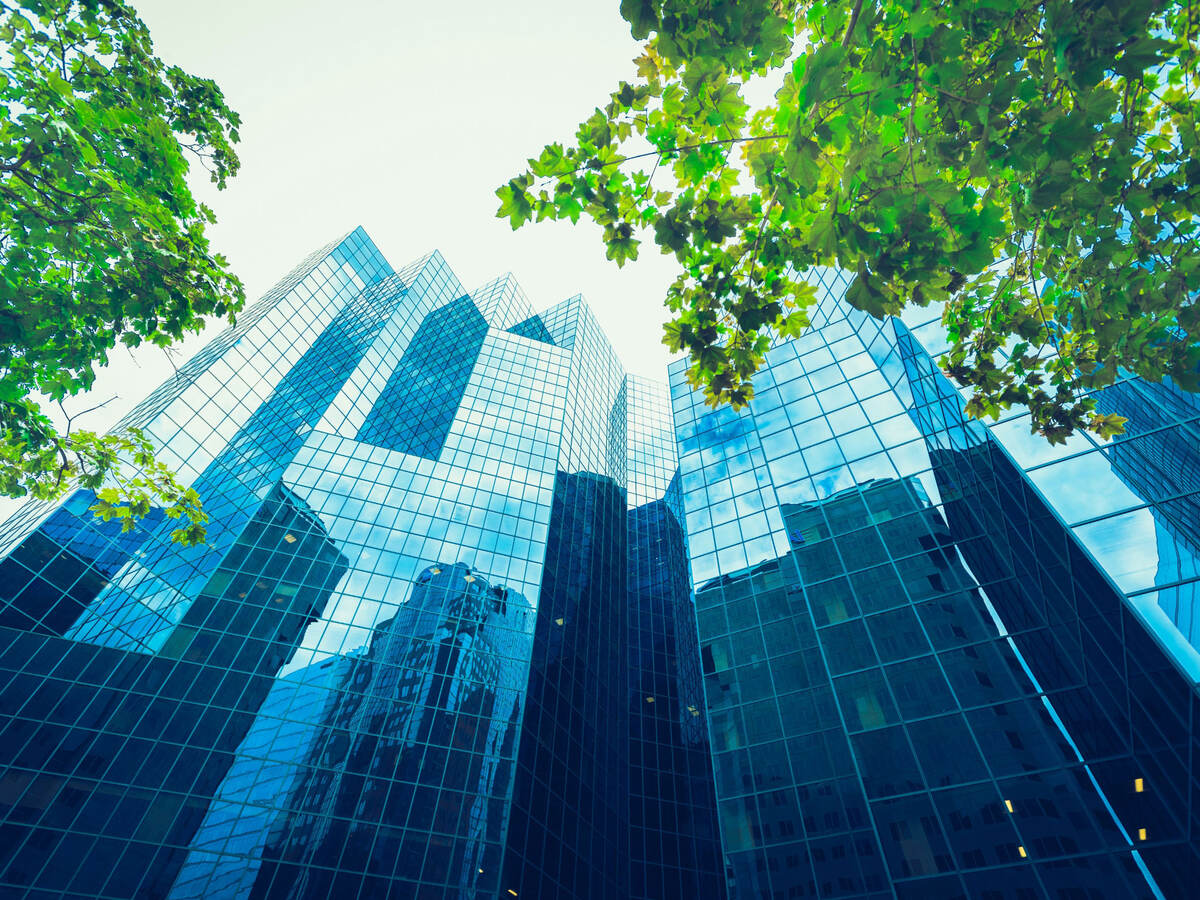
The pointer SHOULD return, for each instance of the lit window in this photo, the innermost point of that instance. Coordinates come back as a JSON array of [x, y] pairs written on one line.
[[290, 538], [1008, 805], [558, 621], [1139, 785], [1141, 834], [1021, 850], [649, 699]]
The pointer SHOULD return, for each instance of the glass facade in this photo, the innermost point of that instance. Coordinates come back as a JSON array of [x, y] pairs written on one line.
[[673, 841], [482, 615], [440, 642], [942, 659]]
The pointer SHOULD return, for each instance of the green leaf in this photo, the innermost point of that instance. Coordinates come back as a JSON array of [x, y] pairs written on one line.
[[1107, 426], [822, 237], [514, 203], [641, 16], [551, 162], [621, 249]]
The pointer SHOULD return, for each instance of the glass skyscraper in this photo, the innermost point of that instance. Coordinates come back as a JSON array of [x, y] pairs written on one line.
[[943, 660], [482, 615], [440, 642]]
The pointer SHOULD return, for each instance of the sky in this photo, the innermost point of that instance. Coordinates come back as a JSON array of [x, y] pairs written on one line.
[[402, 117]]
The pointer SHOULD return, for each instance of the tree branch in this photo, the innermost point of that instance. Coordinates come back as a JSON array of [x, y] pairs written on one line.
[[659, 153], [853, 21]]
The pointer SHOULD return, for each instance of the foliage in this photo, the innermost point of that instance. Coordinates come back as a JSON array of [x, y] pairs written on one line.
[[1032, 167], [101, 240]]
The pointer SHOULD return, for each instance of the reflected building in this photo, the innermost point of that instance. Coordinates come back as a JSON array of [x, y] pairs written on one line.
[[942, 659], [226, 852], [860, 694], [111, 758], [443, 574], [411, 764], [481, 614], [1158, 458]]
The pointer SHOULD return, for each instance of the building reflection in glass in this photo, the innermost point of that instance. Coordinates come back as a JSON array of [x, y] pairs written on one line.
[[130, 752], [48, 581], [304, 707], [405, 772], [1120, 671], [872, 727], [226, 851], [1074, 697], [1158, 457]]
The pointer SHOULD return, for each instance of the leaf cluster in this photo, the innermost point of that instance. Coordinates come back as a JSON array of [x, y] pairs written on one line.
[[101, 241], [1029, 166]]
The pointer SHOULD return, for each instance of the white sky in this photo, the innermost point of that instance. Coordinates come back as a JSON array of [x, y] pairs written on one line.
[[403, 117]]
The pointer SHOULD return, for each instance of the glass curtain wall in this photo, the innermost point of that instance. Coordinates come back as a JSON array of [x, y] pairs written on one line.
[[924, 678], [401, 665]]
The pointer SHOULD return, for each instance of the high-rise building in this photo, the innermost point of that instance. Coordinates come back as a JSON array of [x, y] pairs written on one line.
[[479, 616], [439, 643], [942, 659]]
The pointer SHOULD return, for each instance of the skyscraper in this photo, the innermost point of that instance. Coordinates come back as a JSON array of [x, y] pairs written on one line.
[[942, 659], [439, 643], [479, 616]]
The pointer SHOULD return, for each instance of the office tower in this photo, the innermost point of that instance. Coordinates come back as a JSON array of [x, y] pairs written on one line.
[[439, 642], [673, 840], [942, 659]]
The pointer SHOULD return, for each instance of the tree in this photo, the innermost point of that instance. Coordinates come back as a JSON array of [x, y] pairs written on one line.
[[101, 241], [1030, 166]]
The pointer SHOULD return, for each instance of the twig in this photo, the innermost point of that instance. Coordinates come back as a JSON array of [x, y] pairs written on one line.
[[853, 21], [660, 152], [72, 417]]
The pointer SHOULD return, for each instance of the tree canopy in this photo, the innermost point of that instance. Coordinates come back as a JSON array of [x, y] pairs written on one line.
[[1031, 167], [102, 243]]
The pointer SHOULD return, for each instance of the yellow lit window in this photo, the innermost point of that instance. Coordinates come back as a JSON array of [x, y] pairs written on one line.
[[290, 538], [1139, 785], [1008, 805], [1141, 834], [1021, 850]]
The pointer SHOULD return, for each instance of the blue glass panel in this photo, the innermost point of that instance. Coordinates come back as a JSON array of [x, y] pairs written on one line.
[[534, 329], [417, 406]]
